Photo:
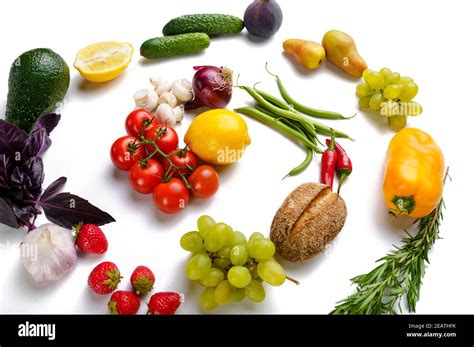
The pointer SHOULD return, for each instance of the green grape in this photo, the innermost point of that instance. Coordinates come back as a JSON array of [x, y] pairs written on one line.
[[409, 91], [405, 79], [375, 80], [393, 78], [390, 108], [397, 122], [198, 266], [363, 89], [239, 276], [201, 251], [217, 237], [253, 270], [192, 241], [238, 238], [364, 102], [392, 91], [239, 255], [224, 252], [207, 299], [222, 263], [385, 72], [256, 235], [271, 272], [376, 101], [366, 73], [239, 295], [213, 277], [224, 293], [204, 225], [255, 291], [261, 249], [410, 108]]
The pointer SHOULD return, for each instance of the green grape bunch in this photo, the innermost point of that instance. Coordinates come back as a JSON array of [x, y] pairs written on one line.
[[230, 267], [390, 94]]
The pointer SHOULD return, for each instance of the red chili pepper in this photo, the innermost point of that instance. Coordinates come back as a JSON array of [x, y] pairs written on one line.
[[328, 163], [343, 165]]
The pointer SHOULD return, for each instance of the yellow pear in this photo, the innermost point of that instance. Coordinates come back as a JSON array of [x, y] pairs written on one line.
[[310, 54], [342, 52]]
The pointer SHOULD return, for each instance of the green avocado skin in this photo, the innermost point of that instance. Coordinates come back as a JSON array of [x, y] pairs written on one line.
[[38, 81], [211, 24]]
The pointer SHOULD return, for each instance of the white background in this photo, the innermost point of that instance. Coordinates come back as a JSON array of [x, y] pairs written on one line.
[[430, 41]]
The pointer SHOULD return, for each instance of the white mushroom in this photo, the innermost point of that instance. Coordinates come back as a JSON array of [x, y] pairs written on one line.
[[168, 98], [183, 90], [169, 116], [160, 85], [146, 99]]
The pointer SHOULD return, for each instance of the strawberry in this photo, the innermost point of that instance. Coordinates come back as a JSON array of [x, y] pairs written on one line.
[[104, 278], [165, 303], [142, 280], [91, 239], [124, 302]]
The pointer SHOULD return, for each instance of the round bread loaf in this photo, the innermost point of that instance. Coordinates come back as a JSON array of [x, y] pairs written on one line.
[[310, 217]]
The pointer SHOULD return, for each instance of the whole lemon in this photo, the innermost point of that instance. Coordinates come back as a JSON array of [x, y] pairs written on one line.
[[218, 136]]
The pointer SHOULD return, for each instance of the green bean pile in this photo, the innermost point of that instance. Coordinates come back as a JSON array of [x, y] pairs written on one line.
[[286, 117]]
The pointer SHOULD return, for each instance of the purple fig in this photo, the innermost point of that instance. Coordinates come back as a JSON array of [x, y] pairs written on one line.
[[263, 18]]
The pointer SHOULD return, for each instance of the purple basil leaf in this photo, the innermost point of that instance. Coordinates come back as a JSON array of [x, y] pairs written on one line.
[[4, 168], [34, 169], [47, 122], [37, 143], [7, 216], [25, 213], [12, 138], [54, 188], [68, 210]]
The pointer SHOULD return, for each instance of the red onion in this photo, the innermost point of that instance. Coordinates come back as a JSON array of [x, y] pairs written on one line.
[[212, 87]]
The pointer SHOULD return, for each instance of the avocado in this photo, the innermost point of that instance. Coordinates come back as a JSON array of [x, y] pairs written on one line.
[[211, 24], [172, 46], [39, 80]]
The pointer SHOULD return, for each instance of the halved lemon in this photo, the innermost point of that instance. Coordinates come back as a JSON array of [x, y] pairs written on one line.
[[103, 61]]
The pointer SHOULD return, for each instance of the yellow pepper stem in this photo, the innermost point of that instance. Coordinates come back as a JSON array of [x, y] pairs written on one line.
[[404, 204]]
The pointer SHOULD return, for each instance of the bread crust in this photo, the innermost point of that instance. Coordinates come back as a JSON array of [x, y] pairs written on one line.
[[309, 218]]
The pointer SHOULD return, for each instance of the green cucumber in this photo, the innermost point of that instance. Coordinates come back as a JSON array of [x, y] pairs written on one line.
[[211, 24], [173, 46]]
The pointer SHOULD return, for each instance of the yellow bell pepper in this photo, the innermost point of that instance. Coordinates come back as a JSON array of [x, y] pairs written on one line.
[[413, 182]]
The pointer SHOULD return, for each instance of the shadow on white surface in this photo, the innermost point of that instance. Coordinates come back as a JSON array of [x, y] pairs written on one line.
[[86, 88], [154, 62]]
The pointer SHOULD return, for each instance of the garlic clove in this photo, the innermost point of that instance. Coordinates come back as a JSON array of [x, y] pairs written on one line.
[[183, 90], [178, 113], [48, 252], [156, 81], [168, 98], [146, 99]]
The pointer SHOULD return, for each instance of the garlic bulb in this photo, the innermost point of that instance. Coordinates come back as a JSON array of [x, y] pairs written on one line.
[[168, 98], [48, 252], [146, 99], [183, 90]]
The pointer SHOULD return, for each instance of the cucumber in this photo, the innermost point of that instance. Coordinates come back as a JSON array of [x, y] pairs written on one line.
[[172, 46], [211, 24]]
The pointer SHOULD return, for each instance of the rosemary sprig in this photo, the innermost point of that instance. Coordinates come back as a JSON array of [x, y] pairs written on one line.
[[399, 275]]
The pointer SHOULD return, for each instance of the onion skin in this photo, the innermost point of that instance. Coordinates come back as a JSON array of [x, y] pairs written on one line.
[[212, 87], [263, 18]]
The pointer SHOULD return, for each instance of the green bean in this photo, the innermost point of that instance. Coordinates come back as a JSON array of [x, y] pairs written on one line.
[[300, 107], [276, 124], [325, 130], [281, 112], [303, 166], [274, 100]]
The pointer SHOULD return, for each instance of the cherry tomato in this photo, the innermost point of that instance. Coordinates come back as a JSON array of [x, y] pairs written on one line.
[[205, 182], [167, 143], [120, 155], [138, 120], [171, 197], [145, 179], [185, 160]]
